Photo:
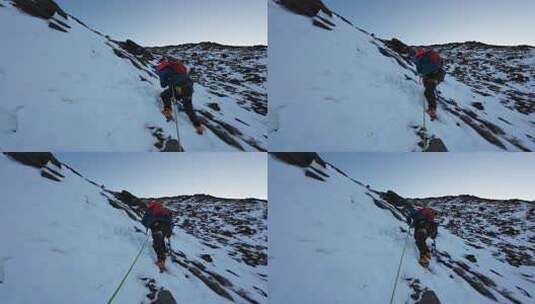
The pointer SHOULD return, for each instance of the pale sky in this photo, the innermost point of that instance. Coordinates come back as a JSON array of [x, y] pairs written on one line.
[[417, 22], [418, 175], [172, 22], [228, 175]]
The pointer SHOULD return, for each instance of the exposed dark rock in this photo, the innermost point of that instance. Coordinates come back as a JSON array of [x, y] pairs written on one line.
[[164, 296], [172, 145], [132, 47], [326, 21], [46, 174], [40, 8], [214, 106], [436, 145], [34, 159], [393, 198], [54, 26], [344, 19], [308, 8], [398, 46], [207, 258], [478, 105], [429, 297], [313, 175], [128, 198], [300, 159], [471, 258], [320, 24], [63, 24]]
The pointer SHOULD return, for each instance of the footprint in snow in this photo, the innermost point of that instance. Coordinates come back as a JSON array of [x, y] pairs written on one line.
[[8, 120], [2, 268], [323, 251]]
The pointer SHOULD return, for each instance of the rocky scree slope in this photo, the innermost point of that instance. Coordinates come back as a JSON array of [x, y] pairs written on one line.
[[91, 234]]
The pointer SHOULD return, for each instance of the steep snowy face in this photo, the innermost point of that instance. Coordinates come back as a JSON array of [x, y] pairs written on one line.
[[65, 86], [350, 91], [336, 240], [68, 226]]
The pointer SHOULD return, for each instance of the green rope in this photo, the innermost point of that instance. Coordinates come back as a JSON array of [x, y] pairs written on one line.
[[399, 267], [129, 270]]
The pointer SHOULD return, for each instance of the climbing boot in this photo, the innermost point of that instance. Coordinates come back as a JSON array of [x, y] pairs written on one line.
[[432, 113], [199, 129], [168, 113], [424, 260], [161, 265]]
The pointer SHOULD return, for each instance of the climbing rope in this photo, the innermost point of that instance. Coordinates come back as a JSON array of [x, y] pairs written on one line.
[[399, 266], [175, 108], [129, 270], [423, 107]]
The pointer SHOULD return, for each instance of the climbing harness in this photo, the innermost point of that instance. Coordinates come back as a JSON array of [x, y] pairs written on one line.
[[129, 270], [399, 266], [175, 109]]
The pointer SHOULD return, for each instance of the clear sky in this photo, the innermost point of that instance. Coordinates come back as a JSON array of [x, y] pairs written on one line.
[[229, 175], [171, 22], [487, 175], [510, 22]]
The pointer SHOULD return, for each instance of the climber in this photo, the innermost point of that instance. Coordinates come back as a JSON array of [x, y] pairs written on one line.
[[158, 219], [423, 221], [430, 67], [175, 76]]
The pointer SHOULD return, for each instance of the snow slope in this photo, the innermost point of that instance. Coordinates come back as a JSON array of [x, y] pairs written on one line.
[[72, 240], [335, 87], [334, 240], [65, 86]]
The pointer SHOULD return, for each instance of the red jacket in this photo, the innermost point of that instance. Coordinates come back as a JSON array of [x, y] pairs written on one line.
[[178, 67]]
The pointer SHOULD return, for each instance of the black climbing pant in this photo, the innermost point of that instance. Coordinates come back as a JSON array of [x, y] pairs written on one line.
[[430, 83], [420, 235], [158, 243], [185, 98]]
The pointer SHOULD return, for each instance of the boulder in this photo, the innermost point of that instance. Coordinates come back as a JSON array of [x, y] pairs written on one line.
[[164, 297], [40, 8], [34, 159], [393, 198], [300, 159], [398, 46], [429, 297], [308, 8]]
